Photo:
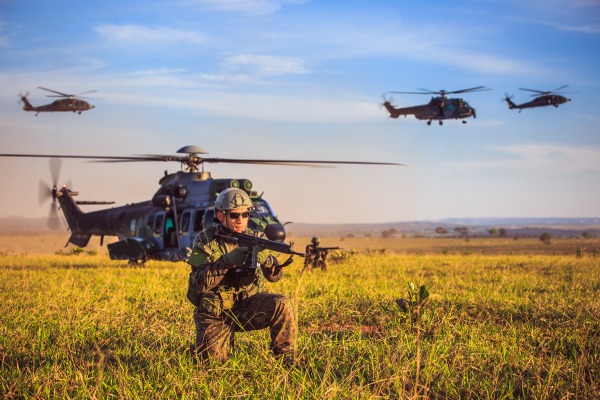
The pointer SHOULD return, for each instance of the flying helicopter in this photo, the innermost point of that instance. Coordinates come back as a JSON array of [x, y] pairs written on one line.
[[542, 99], [68, 102], [439, 108], [165, 226]]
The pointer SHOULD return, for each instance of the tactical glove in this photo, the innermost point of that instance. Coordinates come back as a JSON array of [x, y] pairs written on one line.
[[236, 257], [262, 255]]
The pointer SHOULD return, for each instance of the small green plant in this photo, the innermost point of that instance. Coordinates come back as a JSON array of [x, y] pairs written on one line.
[[415, 302], [414, 305], [77, 251]]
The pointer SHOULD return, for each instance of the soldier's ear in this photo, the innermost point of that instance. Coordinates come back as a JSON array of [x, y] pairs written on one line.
[[220, 215]]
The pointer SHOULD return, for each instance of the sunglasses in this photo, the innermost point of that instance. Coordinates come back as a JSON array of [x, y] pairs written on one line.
[[235, 215]]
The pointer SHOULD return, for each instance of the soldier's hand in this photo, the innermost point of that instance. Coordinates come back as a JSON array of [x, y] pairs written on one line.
[[262, 254], [236, 257]]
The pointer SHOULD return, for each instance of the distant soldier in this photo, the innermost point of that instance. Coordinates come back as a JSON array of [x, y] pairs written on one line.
[[228, 296], [316, 256]]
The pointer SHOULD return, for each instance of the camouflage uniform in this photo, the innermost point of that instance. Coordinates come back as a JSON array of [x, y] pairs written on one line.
[[228, 301], [313, 254]]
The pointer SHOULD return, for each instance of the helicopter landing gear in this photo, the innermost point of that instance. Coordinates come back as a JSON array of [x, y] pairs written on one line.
[[136, 262]]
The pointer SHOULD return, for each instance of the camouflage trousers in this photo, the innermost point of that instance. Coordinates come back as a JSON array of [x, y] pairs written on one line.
[[215, 333]]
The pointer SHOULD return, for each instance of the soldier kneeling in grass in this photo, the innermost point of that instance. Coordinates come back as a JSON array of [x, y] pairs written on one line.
[[227, 294]]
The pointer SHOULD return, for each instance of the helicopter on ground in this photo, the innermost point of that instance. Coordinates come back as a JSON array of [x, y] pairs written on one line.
[[542, 99], [68, 102], [165, 226], [439, 108]]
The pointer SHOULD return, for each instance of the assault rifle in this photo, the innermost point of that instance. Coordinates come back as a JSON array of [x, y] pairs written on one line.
[[328, 248], [244, 240]]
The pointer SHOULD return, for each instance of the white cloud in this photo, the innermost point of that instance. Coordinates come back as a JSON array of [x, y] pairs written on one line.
[[465, 48], [581, 16], [534, 157], [251, 7], [265, 65], [130, 33]]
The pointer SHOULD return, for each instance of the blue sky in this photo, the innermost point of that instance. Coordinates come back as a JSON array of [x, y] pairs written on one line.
[[304, 80]]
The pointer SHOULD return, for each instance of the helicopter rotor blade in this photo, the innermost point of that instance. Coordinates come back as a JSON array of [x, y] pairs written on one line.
[[193, 160], [55, 164], [89, 91], [473, 89], [21, 95], [535, 91], [54, 91], [53, 219], [44, 193], [385, 99], [547, 92], [443, 92], [559, 88], [423, 92], [198, 159], [292, 162]]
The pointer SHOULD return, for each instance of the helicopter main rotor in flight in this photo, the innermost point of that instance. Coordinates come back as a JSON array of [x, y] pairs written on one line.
[[68, 102], [542, 99], [439, 108], [165, 226]]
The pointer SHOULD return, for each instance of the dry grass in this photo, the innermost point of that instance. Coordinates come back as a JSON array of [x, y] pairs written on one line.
[[496, 326], [53, 243]]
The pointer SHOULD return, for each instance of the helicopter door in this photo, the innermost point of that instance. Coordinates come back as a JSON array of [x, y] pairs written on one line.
[[449, 108], [170, 237], [159, 220], [208, 219], [198, 226], [184, 229], [184, 225]]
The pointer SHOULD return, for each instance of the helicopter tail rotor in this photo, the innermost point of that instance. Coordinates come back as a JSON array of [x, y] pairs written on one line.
[[22, 96], [46, 192], [53, 219], [384, 100]]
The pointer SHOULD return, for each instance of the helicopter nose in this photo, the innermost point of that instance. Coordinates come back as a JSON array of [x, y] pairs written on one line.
[[275, 232]]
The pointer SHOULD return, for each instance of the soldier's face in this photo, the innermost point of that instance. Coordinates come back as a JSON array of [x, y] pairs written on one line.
[[236, 220]]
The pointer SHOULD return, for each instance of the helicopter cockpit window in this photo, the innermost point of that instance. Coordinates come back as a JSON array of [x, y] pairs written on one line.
[[158, 224], [260, 210], [185, 223], [150, 223]]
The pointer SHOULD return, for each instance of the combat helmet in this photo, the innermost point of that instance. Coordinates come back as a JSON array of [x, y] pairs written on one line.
[[315, 240], [232, 199]]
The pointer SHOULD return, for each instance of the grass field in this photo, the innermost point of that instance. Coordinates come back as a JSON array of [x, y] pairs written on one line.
[[522, 324]]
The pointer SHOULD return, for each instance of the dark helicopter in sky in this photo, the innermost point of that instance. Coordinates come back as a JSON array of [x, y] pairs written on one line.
[[68, 102], [165, 226], [542, 99], [439, 108]]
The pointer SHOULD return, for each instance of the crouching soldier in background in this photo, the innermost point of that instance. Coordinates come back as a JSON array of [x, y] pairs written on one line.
[[228, 295], [316, 256]]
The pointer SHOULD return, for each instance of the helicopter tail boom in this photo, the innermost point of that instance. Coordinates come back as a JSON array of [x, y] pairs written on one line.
[[26, 104], [394, 112], [510, 103]]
